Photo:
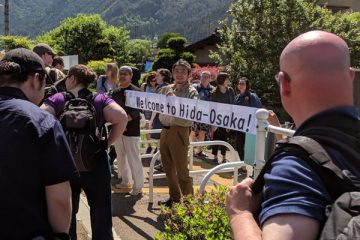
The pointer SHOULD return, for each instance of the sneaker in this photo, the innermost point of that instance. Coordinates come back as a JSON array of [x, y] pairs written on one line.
[[135, 192], [123, 186], [114, 168], [155, 150], [201, 154], [223, 159], [148, 150], [167, 203], [159, 167]]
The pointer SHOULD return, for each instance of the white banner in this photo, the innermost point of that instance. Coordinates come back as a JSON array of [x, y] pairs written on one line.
[[229, 116]]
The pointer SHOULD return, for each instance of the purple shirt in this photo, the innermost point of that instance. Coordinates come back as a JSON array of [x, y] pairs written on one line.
[[57, 102]]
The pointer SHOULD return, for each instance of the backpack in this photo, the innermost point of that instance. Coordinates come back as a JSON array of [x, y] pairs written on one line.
[[79, 123], [103, 81], [57, 87], [207, 91], [343, 216]]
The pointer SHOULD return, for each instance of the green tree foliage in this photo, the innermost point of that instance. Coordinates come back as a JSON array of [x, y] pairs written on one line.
[[144, 18], [166, 57], [98, 66], [258, 30], [163, 39], [199, 217], [10, 42], [89, 37], [139, 50], [119, 38], [177, 43]]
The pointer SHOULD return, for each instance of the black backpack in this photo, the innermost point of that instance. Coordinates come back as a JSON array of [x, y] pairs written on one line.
[[80, 126], [343, 216]]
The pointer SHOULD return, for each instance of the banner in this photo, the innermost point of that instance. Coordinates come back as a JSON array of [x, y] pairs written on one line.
[[229, 116]]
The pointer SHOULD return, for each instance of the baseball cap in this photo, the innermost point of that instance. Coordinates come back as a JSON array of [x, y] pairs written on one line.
[[126, 68], [29, 61], [42, 48]]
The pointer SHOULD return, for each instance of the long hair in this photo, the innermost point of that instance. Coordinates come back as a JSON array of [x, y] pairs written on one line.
[[220, 79], [113, 68], [247, 83]]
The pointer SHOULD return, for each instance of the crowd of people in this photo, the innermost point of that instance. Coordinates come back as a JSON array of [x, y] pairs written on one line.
[[69, 143]]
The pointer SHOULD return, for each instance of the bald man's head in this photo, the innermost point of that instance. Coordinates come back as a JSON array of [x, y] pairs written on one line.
[[317, 64], [317, 51]]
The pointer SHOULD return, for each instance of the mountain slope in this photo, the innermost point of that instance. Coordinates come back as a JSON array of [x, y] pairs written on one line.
[[194, 19]]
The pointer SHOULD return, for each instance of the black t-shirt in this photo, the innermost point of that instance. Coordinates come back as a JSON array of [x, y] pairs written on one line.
[[133, 126], [227, 97], [34, 154]]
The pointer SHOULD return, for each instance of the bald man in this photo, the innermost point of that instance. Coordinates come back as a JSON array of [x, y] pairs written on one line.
[[316, 87]]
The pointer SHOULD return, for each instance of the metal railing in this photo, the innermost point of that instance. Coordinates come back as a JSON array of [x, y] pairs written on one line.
[[232, 167], [263, 127], [149, 141]]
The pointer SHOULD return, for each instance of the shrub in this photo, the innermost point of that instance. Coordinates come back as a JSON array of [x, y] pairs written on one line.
[[162, 42], [98, 66], [11, 42], [177, 43], [198, 218]]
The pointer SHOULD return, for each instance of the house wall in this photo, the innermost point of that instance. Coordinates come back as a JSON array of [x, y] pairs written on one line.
[[202, 55], [353, 4]]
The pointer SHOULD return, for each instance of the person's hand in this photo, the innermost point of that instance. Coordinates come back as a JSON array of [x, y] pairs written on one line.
[[273, 119], [150, 125], [241, 199], [170, 93]]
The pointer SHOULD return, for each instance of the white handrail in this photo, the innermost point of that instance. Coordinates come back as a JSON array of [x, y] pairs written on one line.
[[147, 131], [280, 130], [233, 168], [263, 126], [218, 169]]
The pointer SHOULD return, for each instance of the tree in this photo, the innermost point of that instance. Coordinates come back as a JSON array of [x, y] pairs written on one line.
[[119, 39], [163, 39], [257, 31], [89, 37], [11, 42], [177, 43], [166, 57], [139, 50]]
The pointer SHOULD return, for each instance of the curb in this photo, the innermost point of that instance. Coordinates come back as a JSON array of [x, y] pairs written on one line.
[[83, 217]]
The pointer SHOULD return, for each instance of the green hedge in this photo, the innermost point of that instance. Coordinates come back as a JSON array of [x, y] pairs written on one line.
[[198, 218]]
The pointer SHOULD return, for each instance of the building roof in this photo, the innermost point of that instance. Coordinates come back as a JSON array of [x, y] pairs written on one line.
[[213, 39]]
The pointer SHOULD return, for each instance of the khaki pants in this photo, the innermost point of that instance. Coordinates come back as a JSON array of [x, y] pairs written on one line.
[[174, 145]]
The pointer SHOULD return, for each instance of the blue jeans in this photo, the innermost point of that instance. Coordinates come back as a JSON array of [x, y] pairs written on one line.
[[97, 187]]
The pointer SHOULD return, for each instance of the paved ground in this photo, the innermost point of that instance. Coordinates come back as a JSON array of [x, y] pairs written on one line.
[[133, 217]]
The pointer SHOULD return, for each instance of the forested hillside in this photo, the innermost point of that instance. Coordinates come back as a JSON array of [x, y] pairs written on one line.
[[144, 18]]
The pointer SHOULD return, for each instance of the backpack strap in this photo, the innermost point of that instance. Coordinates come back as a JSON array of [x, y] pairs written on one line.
[[145, 86], [319, 160]]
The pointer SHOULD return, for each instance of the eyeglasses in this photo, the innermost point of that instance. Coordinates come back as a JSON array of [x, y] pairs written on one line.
[[242, 83], [286, 75]]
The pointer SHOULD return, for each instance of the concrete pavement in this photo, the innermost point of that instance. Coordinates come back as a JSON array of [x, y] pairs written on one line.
[[133, 217]]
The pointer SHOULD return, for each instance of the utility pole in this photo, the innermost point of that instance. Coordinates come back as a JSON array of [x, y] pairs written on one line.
[[6, 17]]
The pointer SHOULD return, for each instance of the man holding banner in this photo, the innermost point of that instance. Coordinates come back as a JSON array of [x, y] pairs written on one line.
[[174, 138]]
